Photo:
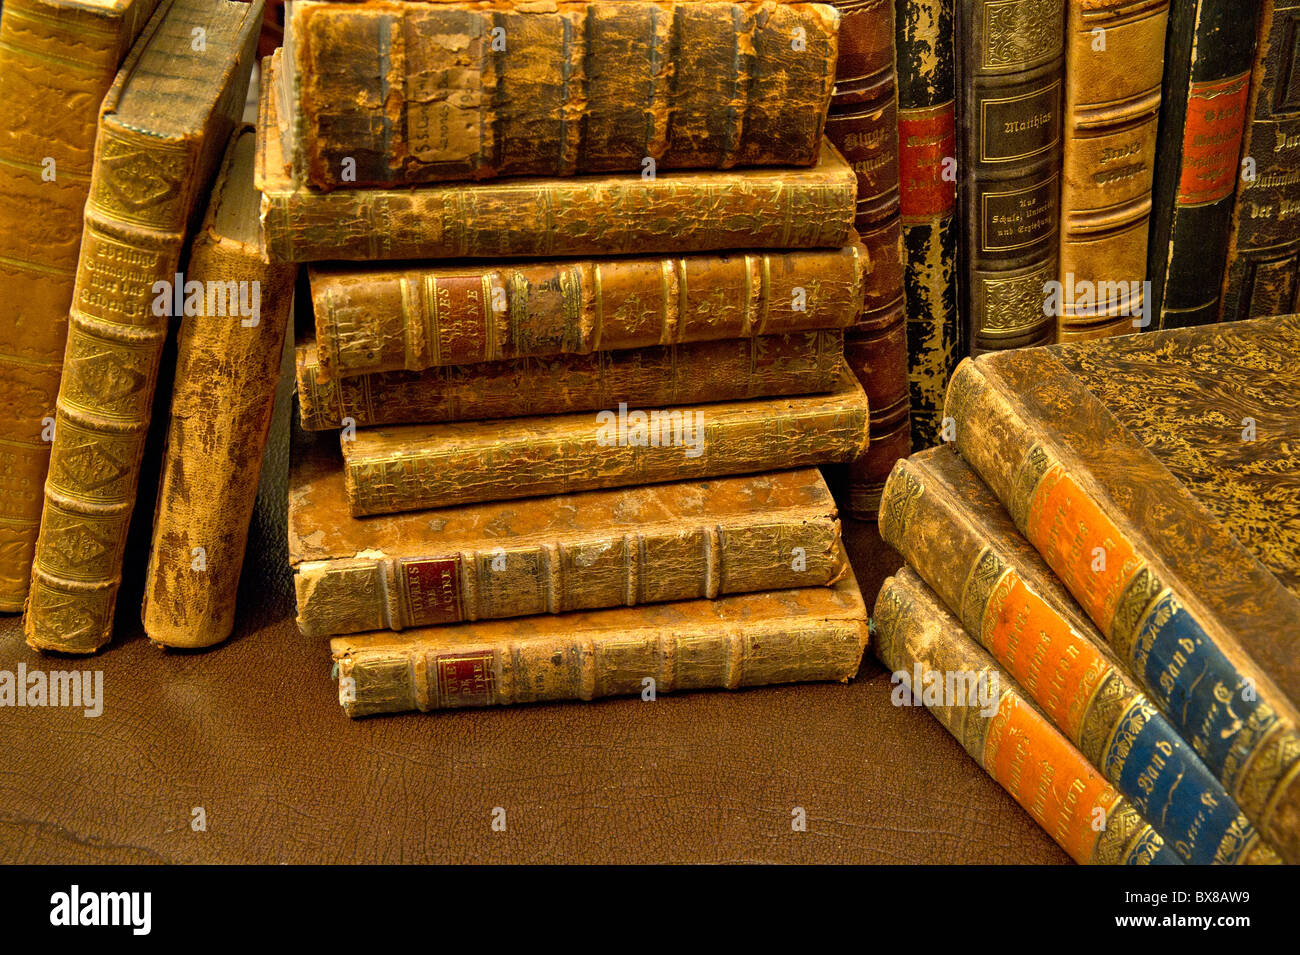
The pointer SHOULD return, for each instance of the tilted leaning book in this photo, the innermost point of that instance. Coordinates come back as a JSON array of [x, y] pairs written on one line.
[[781, 636], [1157, 476], [637, 545], [955, 534], [227, 368], [162, 130], [611, 214], [937, 664], [394, 93], [417, 466], [57, 60], [381, 318]]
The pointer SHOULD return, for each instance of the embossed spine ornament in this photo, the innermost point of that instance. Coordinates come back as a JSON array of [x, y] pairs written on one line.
[[144, 190], [1011, 68], [783, 636], [57, 60], [1015, 743], [953, 532]]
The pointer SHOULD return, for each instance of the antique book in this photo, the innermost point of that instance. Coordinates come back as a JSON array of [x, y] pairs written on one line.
[[863, 125], [625, 546], [1010, 70], [937, 664], [669, 375], [1208, 58], [227, 368], [411, 467], [397, 93], [1263, 266], [675, 212], [380, 318], [162, 130], [1114, 65], [1156, 474], [781, 636], [57, 60], [955, 535], [927, 150]]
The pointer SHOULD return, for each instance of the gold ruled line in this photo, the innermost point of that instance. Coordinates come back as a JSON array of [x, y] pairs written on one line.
[[88, 69], [80, 175], [20, 522], [17, 11], [33, 362], [16, 443], [29, 266]]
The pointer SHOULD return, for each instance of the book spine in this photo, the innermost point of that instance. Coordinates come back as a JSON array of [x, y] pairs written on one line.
[[1263, 271], [927, 151], [1011, 64], [378, 320], [57, 61], [1212, 698], [1002, 731], [388, 472], [863, 124], [997, 595], [588, 87], [645, 565], [227, 370], [1114, 68], [1208, 59], [432, 674], [671, 375]]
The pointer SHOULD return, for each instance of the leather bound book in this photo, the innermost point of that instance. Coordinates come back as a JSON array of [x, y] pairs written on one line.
[[954, 533], [1209, 54], [1010, 71], [1156, 474], [1114, 65], [643, 377], [57, 60], [412, 467], [162, 130], [673, 212], [227, 370], [937, 664], [378, 318], [927, 149], [1263, 271], [637, 545], [396, 93], [782, 636]]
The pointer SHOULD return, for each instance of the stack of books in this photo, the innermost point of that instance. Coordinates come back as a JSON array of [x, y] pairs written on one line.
[[580, 279], [1102, 592]]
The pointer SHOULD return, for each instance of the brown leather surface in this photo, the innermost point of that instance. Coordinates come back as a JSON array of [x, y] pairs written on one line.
[[252, 732]]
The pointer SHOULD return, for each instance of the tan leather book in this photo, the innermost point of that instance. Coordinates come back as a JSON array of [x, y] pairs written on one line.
[[411, 467], [394, 93], [162, 130], [608, 548], [782, 636], [57, 60], [1115, 57], [671, 375], [611, 214], [227, 369], [371, 319]]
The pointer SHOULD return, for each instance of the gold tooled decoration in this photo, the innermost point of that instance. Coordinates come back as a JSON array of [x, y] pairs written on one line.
[[976, 592], [1029, 475], [1131, 610]]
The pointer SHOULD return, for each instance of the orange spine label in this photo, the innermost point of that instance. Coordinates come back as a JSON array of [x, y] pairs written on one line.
[[927, 139], [1212, 138]]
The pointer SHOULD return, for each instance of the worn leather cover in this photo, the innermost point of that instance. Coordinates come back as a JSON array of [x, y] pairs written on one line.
[[1209, 53], [227, 369], [674, 212], [1263, 270], [1156, 475], [1015, 743], [1112, 106], [163, 128], [50, 114], [479, 90], [726, 370], [1010, 73], [637, 545], [953, 532]]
